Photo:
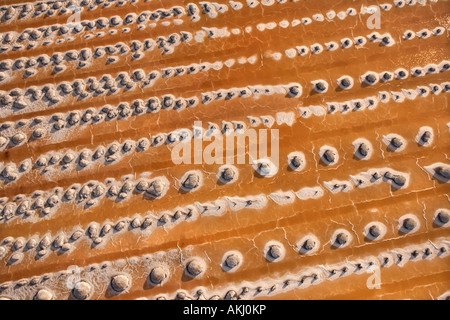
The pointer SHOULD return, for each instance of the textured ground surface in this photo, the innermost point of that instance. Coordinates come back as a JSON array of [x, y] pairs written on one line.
[[92, 206]]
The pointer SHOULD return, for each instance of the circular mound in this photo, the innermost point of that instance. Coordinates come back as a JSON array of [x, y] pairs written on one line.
[[328, 155], [341, 238], [227, 174], [296, 161], [308, 244], [274, 251], [231, 261], [394, 142], [345, 82], [442, 217], [363, 149], [425, 136], [408, 223], [320, 86]]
